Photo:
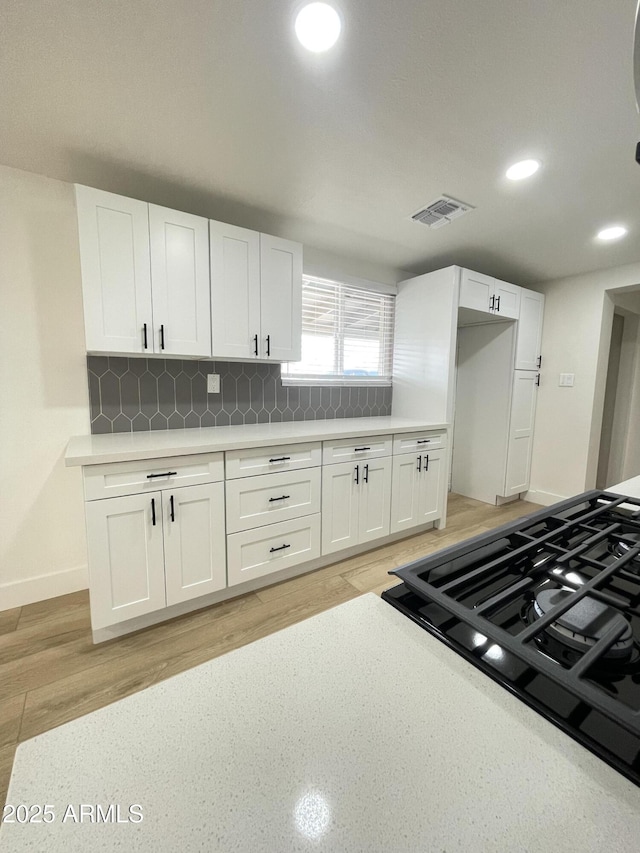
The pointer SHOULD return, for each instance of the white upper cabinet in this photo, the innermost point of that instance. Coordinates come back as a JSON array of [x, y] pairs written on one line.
[[145, 276], [256, 294], [529, 335], [235, 290], [116, 273], [488, 295], [280, 298], [180, 282]]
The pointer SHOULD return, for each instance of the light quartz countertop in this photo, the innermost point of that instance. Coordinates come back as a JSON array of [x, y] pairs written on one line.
[[352, 731], [627, 487], [119, 447]]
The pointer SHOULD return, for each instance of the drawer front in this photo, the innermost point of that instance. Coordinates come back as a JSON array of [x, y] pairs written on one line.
[[255, 553], [413, 442], [353, 449], [148, 475], [255, 501], [266, 460]]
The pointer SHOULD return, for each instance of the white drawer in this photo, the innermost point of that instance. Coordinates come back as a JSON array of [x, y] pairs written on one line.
[[148, 475], [352, 449], [255, 501], [255, 553], [265, 460], [415, 441]]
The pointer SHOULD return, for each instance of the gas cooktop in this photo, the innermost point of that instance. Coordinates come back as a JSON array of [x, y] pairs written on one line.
[[548, 606]]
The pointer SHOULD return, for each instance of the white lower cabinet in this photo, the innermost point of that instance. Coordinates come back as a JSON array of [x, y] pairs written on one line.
[[417, 491], [152, 550], [521, 425], [254, 553], [356, 501]]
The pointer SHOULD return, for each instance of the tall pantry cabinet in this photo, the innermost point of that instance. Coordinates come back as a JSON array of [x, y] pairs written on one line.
[[468, 353]]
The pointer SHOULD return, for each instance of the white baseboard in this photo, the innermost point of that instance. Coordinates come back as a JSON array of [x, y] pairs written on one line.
[[543, 498], [19, 593]]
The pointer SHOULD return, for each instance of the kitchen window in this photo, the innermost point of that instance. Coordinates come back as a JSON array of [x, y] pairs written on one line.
[[347, 336]]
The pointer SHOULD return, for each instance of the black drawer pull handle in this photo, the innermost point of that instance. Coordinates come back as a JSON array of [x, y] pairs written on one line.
[[280, 459], [538, 380], [539, 360], [358, 449], [255, 345], [268, 344], [281, 548], [366, 474], [281, 498], [172, 509], [153, 511], [419, 464], [144, 331], [166, 474], [162, 337], [491, 307], [423, 441], [498, 304], [426, 462]]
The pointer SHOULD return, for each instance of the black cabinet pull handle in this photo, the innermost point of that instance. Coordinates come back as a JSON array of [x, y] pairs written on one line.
[[491, 305], [281, 548], [165, 474], [281, 498], [426, 462], [144, 333], [357, 474], [268, 344], [359, 449], [366, 474], [172, 511], [419, 464], [255, 344], [280, 459], [162, 337], [153, 511], [538, 380], [498, 304], [423, 441], [539, 364]]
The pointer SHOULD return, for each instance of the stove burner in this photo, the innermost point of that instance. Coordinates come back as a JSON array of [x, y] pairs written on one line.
[[584, 624], [626, 543]]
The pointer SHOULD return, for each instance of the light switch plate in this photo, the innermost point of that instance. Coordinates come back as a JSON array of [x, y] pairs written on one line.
[[213, 383], [566, 380]]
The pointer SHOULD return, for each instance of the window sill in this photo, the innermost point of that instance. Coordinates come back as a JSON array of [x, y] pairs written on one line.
[[329, 382]]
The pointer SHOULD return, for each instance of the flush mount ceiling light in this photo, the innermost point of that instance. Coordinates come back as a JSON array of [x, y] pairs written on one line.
[[523, 169], [318, 26], [613, 232]]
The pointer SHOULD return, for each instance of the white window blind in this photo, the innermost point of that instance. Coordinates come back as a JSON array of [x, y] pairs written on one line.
[[347, 336]]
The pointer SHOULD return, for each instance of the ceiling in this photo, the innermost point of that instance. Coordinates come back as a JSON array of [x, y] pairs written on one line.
[[212, 107]]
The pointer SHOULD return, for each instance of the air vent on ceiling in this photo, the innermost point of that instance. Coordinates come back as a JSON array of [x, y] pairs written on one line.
[[441, 212]]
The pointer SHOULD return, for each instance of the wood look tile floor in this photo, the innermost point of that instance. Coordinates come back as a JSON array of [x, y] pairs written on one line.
[[50, 671]]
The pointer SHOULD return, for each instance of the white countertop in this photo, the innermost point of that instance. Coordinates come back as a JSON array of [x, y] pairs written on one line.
[[352, 731], [630, 487], [119, 447]]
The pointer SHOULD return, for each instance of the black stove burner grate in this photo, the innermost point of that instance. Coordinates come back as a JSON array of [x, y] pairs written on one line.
[[485, 582]]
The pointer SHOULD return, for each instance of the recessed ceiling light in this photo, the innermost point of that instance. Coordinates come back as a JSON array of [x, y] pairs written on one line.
[[523, 169], [318, 26], [613, 232]]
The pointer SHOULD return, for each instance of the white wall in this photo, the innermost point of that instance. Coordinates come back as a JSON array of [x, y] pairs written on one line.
[[43, 390], [577, 331]]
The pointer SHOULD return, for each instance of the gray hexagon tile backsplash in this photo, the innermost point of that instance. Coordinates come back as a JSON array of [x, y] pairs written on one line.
[[131, 394]]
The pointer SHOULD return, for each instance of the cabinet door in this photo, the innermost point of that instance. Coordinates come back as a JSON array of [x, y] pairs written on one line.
[[235, 291], [374, 512], [523, 411], [280, 299], [180, 282], [340, 494], [529, 333], [476, 290], [116, 276], [431, 487], [506, 301], [404, 491], [194, 541], [126, 559]]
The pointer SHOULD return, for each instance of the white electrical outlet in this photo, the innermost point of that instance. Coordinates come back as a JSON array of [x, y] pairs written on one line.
[[213, 383], [566, 380]]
